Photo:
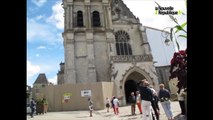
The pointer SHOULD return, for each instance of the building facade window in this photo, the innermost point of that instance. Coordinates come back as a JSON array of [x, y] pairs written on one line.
[[80, 20], [122, 43], [96, 19]]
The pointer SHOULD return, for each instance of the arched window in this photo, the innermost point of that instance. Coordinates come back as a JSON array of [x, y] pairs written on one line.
[[96, 19], [122, 43], [80, 19]]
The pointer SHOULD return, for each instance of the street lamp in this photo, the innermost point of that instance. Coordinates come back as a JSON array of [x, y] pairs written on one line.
[[165, 34], [167, 41]]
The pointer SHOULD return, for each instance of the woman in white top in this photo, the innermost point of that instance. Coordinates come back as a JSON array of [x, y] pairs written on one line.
[[181, 99], [116, 105]]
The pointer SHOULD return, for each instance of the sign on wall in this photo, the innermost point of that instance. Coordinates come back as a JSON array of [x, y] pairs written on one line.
[[66, 97], [86, 93]]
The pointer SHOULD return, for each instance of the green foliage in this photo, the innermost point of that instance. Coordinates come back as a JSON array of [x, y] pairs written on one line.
[[180, 27], [41, 101], [177, 29], [184, 36], [179, 61], [45, 101]]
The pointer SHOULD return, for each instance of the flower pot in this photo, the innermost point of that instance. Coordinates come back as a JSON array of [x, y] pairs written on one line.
[[45, 108], [39, 109]]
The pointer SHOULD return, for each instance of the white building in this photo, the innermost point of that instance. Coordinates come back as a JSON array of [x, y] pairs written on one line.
[[162, 51]]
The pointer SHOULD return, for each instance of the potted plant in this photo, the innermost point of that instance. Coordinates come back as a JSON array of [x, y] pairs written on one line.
[[39, 106], [45, 104]]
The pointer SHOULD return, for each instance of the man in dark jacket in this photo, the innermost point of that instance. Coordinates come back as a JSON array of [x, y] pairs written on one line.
[[146, 98], [164, 96]]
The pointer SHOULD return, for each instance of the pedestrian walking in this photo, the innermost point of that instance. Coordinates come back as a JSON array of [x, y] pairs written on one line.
[[181, 99], [107, 104], [116, 105], [138, 101], [32, 106], [155, 105], [132, 101], [146, 98], [164, 96], [90, 103]]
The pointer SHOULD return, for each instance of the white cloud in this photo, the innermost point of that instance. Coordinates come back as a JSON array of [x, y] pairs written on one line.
[[37, 55], [53, 80], [43, 32], [41, 47], [145, 11], [31, 70], [57, 18], [48, 66], [40, 17], [39, 3]]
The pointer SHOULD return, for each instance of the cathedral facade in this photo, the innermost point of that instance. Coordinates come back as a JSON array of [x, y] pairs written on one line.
[[105, 42]]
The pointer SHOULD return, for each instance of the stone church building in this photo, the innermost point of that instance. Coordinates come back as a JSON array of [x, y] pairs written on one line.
[[105, 42], [106, 54]]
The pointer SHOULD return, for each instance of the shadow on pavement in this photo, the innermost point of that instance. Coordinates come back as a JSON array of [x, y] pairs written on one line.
[[83, 117], [180, 117], [126, 115]]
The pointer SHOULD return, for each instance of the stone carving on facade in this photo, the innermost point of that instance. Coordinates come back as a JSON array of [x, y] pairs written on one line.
[[152, 68], [131, 58], [124, 9], [113, 72], [133, 62]]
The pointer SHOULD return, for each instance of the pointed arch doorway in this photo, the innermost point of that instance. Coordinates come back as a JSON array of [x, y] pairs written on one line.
[[131, 82], [130, 86]]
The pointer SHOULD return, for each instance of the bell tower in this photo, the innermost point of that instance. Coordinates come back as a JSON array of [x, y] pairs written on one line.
[[87, 40]]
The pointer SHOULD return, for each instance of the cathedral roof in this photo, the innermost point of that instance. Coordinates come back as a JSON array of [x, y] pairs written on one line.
[[119, 7], [41, 79], [126, 11]]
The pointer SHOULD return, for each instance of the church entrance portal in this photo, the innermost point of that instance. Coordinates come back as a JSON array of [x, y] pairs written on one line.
[[130, 86]]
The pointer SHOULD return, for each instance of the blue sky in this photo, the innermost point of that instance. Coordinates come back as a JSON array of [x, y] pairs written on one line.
[[45, 26]]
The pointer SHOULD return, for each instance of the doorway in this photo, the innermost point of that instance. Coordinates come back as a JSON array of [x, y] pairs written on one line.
[[130, 86]]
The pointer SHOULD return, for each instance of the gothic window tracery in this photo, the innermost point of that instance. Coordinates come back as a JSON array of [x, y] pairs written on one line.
[[122, 43]]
